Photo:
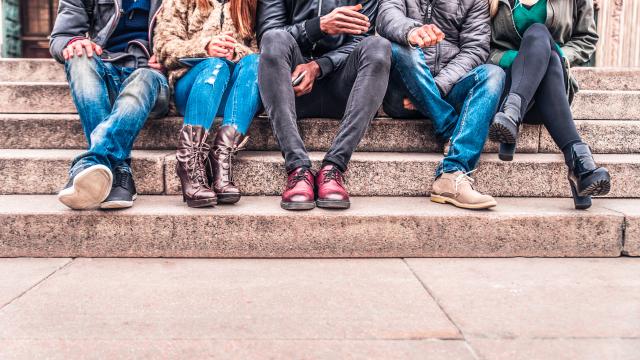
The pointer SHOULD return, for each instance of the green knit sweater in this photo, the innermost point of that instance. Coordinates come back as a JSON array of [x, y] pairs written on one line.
[[523, 18]]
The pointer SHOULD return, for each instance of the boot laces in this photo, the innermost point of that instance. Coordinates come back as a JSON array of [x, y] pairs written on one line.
[[229, 153], [464, 178], [196, 162], [300, 176]]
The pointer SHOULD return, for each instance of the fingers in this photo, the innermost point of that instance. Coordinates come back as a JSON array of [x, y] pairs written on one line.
[[407, 104], [353, 20], [305, 86], [351, 28], [417, 37], [430, 38], [65, 54], [438, 32], [78, 48], [297, 71], [88, 47], [218, 51], [98, 49]]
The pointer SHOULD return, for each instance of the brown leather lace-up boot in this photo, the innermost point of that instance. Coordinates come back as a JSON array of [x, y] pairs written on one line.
[[226, 145], [191, 155]]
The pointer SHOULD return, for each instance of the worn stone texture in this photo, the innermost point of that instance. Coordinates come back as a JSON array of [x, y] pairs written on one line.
[[556, 349], [237, 349], [55, 98], [258, 227], [54, 131], [606, 105], [33, 70], [632, 224], [36, 97], [411, 174], [46, 171], [259, 299], [592, 298], [598, 78], [30, 70], [19, 275], [604, 137]]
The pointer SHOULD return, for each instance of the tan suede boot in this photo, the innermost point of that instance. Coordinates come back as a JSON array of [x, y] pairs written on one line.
[[456, 189]]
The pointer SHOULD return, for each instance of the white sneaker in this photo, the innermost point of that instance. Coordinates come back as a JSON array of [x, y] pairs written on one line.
[[88, 188]]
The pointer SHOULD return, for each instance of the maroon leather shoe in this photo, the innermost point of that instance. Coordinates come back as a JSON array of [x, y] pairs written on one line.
[[299, 193], [330, 187]]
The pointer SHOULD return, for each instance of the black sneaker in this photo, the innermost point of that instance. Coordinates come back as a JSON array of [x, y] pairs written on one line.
[[87, 188], [123, 192]]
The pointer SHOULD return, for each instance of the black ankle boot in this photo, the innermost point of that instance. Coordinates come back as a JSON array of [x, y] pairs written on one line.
[[506, 123], [585, 178]]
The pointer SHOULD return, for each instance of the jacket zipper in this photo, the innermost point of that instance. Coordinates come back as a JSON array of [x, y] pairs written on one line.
[[313, 47], [513, 22], [153, 21], [429, 20], [119, 12]]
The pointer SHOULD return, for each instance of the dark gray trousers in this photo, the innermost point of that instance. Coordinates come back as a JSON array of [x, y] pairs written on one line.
[[353, 92]]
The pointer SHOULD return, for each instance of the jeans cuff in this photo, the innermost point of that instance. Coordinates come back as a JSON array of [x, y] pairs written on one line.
[[296, 164], [447, 169], [340, 164]]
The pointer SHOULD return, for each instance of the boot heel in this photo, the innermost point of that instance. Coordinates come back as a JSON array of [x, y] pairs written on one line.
[[506, 151], [580, 202]]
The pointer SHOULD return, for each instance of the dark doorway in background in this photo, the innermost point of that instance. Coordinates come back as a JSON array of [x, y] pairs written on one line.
[[37, 18]]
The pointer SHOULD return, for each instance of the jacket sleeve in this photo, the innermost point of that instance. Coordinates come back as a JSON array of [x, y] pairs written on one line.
[[171, 40], [393, 23], [335, 59], [71, 23], [475, 39], [584, 37], [272, 14]]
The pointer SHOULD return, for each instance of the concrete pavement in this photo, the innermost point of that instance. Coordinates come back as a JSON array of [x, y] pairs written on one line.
[[320, 308]]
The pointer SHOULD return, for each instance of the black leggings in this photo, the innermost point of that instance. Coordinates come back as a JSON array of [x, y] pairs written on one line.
[[537, 74]]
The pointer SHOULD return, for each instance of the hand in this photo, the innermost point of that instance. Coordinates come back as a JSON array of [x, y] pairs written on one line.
[[154, 64], [222, 46], [426, 35], [312, 72], [345, 20], [79, 47], [408, 105]]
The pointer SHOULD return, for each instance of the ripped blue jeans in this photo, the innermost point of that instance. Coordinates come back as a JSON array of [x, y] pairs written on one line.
[[218, 87], [113, 103]]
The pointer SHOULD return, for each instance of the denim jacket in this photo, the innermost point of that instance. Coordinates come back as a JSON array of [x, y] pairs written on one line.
[[73, 23]]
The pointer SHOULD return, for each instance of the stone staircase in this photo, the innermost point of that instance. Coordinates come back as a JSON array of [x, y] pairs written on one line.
[[390, 177]]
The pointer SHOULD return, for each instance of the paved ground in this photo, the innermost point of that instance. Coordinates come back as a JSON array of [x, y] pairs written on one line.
[[320, 309]]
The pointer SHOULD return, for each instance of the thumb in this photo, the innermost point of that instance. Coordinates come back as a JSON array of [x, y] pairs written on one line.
[[357, 7]]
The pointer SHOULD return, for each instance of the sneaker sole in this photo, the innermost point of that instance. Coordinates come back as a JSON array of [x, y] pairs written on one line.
[[298, 205], [90, 188], [499, 132], [118, 204], [446, 200], [333, 204]]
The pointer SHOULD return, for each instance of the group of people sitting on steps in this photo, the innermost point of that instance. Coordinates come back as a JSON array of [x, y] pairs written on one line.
[[473, 68]]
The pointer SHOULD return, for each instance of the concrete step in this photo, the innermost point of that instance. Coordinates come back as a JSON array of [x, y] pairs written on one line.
[[54, 98], [162, 226], [63, 131], [370, 174], [50, 131], [589, 78]]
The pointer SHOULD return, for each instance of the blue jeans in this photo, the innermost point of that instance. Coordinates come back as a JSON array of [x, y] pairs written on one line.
[[218, 87], [463, 115], [113, 103]]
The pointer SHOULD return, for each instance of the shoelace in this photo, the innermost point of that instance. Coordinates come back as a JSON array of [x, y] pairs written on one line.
[[464, 178], [332, 174], [122, 178], [229, 153], [196, 162], [300, 176]]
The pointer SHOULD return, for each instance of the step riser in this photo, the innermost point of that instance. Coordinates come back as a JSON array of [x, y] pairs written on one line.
[[161, 134], [226, 233], [259, 174], [51, 98], [589, 78], [65, 132]]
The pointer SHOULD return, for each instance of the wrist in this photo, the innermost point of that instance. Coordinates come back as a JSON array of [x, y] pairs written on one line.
[[315, 68]]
